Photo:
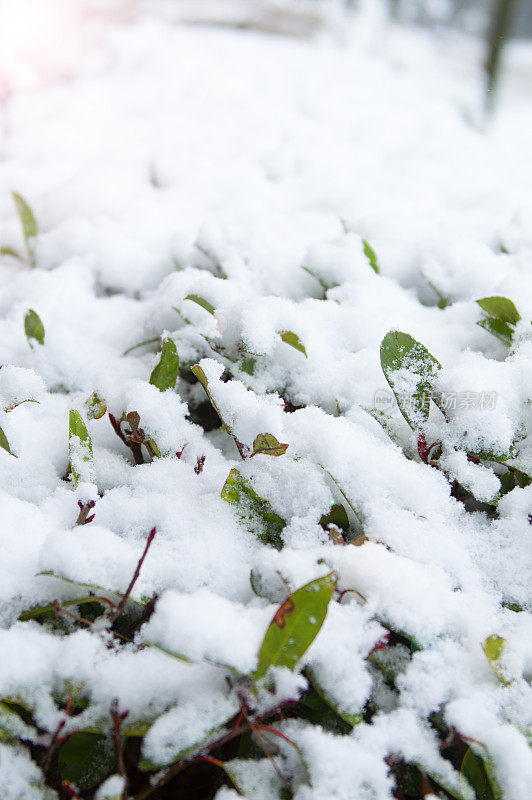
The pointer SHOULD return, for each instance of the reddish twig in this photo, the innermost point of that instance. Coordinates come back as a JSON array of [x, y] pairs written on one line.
[[56, 738], [84, 511], [118, 719], [134, 579]]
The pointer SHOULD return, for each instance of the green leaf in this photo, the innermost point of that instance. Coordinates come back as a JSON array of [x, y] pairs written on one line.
[[4, 443], [10, 251], [49, 610], [477, 773], [336, 516], [291, 338], [295, 625], [501, 330], [254, 512], [410, 370], [493, 648], [248, 365], [313, 708], [351, 716], [29, 225], [80, 446], [164, 376], [268, 445], [370, 254], [86, 759], [95, 406], [200, 301], [33, 327], [500, 308], [202, 378]]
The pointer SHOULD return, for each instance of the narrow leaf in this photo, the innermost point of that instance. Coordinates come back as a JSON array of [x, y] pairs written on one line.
[[410, 370], [370, 254], [29, 225], [254, 512], [4, 443], [33, 327], [202, 378], [291, 338], [295, 625], [80, 446], [164, 376], [200, 301], [268, 445], [10, 251]]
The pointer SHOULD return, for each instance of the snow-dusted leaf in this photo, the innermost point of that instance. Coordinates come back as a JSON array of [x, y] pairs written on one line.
[[200, 301], [29, 225], [291, 338], [254, 512], [295, 625], [33, 327], [95, 406], [80, 446], [410, 370], [268, 445], [256, 778], [493, 648], [165, 373], [85, 759], [370, 254], [351, 716]]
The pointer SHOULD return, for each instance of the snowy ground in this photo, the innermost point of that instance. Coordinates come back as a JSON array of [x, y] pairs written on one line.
[[172, 161]]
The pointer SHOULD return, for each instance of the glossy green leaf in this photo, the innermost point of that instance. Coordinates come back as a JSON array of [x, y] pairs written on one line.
[[410, 370], [200, 301], [4, 443], [493, 648], [86, 759], [164, 376], [501, 330], [295, 625], [29, 225], [33, 327], [500, 308], [370, 254], [291, 338], [268, 445], [254, 512], [95, 406], [80, 446], [477, 773]]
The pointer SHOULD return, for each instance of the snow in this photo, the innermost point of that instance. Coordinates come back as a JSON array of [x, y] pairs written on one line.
[[163, 160]]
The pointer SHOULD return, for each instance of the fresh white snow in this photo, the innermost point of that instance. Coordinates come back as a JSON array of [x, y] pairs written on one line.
[[163, 160]]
